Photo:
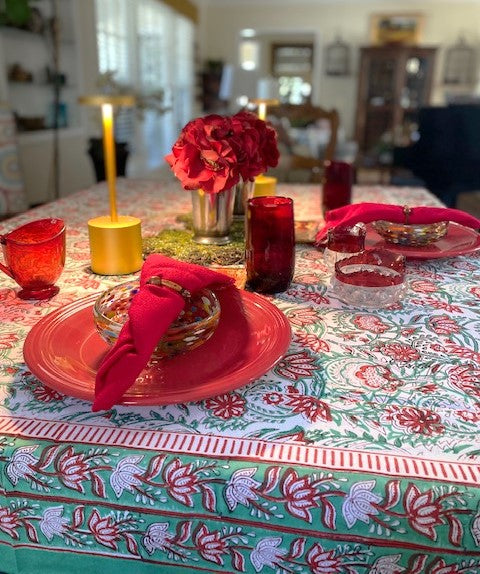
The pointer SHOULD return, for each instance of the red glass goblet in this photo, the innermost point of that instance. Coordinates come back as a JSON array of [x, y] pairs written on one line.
[[337, 185], [35, 256], [270, 244]]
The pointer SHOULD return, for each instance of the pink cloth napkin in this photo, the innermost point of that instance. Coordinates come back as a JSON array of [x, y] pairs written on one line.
[[151, 312], [368, 212]]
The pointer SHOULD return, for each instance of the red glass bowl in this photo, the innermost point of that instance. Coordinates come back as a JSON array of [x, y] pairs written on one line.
[[193, 327], [371, 279]]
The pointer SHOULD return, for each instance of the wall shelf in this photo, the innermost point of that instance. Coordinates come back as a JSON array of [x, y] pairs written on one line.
[[49, 158], [40, 136]]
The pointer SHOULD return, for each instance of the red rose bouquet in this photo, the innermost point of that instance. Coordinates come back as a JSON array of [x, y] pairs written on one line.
[[212, 153], [257, 145]]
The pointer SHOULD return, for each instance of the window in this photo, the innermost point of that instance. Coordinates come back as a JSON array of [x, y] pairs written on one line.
[[150, 48], [249, 52], [112, 38], [292, 65]]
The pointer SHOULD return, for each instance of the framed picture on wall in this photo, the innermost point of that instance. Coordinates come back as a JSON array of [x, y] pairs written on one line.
[[396, 29], [292, 59]]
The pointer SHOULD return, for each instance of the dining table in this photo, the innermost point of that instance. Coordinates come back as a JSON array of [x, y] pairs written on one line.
[[356, 450]]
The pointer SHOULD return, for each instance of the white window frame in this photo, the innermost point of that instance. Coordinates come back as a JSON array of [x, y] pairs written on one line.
[[154, 134]]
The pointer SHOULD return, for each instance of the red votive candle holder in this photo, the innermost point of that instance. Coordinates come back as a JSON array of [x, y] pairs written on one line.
[[343, 241], [270, 244], [337, 185]]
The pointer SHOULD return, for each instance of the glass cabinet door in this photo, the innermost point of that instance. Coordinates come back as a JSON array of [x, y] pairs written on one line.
[[415, 92], [381, 81], [380, 95], [395, 81]]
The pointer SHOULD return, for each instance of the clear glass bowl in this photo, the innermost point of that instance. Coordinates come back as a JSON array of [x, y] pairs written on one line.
[[371, 279], [411, 234], [193, 327]]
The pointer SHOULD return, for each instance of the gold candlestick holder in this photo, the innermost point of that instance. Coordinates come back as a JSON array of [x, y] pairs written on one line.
[[115, 240]]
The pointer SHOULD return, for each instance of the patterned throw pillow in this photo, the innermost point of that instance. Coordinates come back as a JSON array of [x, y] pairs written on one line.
[[12, 193]]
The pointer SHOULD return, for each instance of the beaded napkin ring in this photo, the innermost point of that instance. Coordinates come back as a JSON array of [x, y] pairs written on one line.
[[156, 280], [407, 211]]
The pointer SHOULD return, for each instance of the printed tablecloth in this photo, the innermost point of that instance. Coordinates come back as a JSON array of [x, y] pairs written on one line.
[[357, 453]]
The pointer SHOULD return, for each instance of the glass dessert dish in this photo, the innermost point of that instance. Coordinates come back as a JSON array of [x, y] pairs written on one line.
[[411, 234], [193, 327], [371, 279]]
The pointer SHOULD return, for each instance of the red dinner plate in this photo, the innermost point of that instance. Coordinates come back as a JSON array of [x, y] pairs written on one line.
[[64, 350], [459, 240]]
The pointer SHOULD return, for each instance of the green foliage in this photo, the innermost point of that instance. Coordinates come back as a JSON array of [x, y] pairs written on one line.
[[15, 13]]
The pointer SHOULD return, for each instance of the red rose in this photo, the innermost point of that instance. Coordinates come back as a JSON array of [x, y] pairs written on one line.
[[268, 146], [214, 152], [203, 157], [258, 140]]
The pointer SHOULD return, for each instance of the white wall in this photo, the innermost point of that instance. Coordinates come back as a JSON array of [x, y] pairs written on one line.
[[221, 21]]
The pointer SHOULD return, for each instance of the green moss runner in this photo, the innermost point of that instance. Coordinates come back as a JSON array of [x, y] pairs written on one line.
[[178, 243]]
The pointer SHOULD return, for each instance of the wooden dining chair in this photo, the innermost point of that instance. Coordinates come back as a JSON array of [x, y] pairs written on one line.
[[303, 116]]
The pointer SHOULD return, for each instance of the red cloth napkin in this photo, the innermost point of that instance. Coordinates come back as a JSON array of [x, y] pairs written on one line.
[[151, 312], [368, 212]]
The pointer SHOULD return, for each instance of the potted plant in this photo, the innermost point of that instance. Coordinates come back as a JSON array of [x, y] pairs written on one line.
[[15, 13]]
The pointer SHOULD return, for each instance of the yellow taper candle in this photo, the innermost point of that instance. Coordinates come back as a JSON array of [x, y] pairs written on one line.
[[262, 104], [115, 246], [109, 151], [264, 184], [262, 111]]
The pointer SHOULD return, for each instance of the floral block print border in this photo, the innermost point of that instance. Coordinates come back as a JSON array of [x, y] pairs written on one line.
[[237, 514]]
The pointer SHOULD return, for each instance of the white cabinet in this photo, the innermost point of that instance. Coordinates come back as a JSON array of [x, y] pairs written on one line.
[[27, 76]]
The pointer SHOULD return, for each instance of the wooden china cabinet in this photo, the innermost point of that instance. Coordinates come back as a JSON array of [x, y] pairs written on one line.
[[394, 82]]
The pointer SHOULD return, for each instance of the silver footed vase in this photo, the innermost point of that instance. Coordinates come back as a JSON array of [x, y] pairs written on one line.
[[212, 216], [243, 192]]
